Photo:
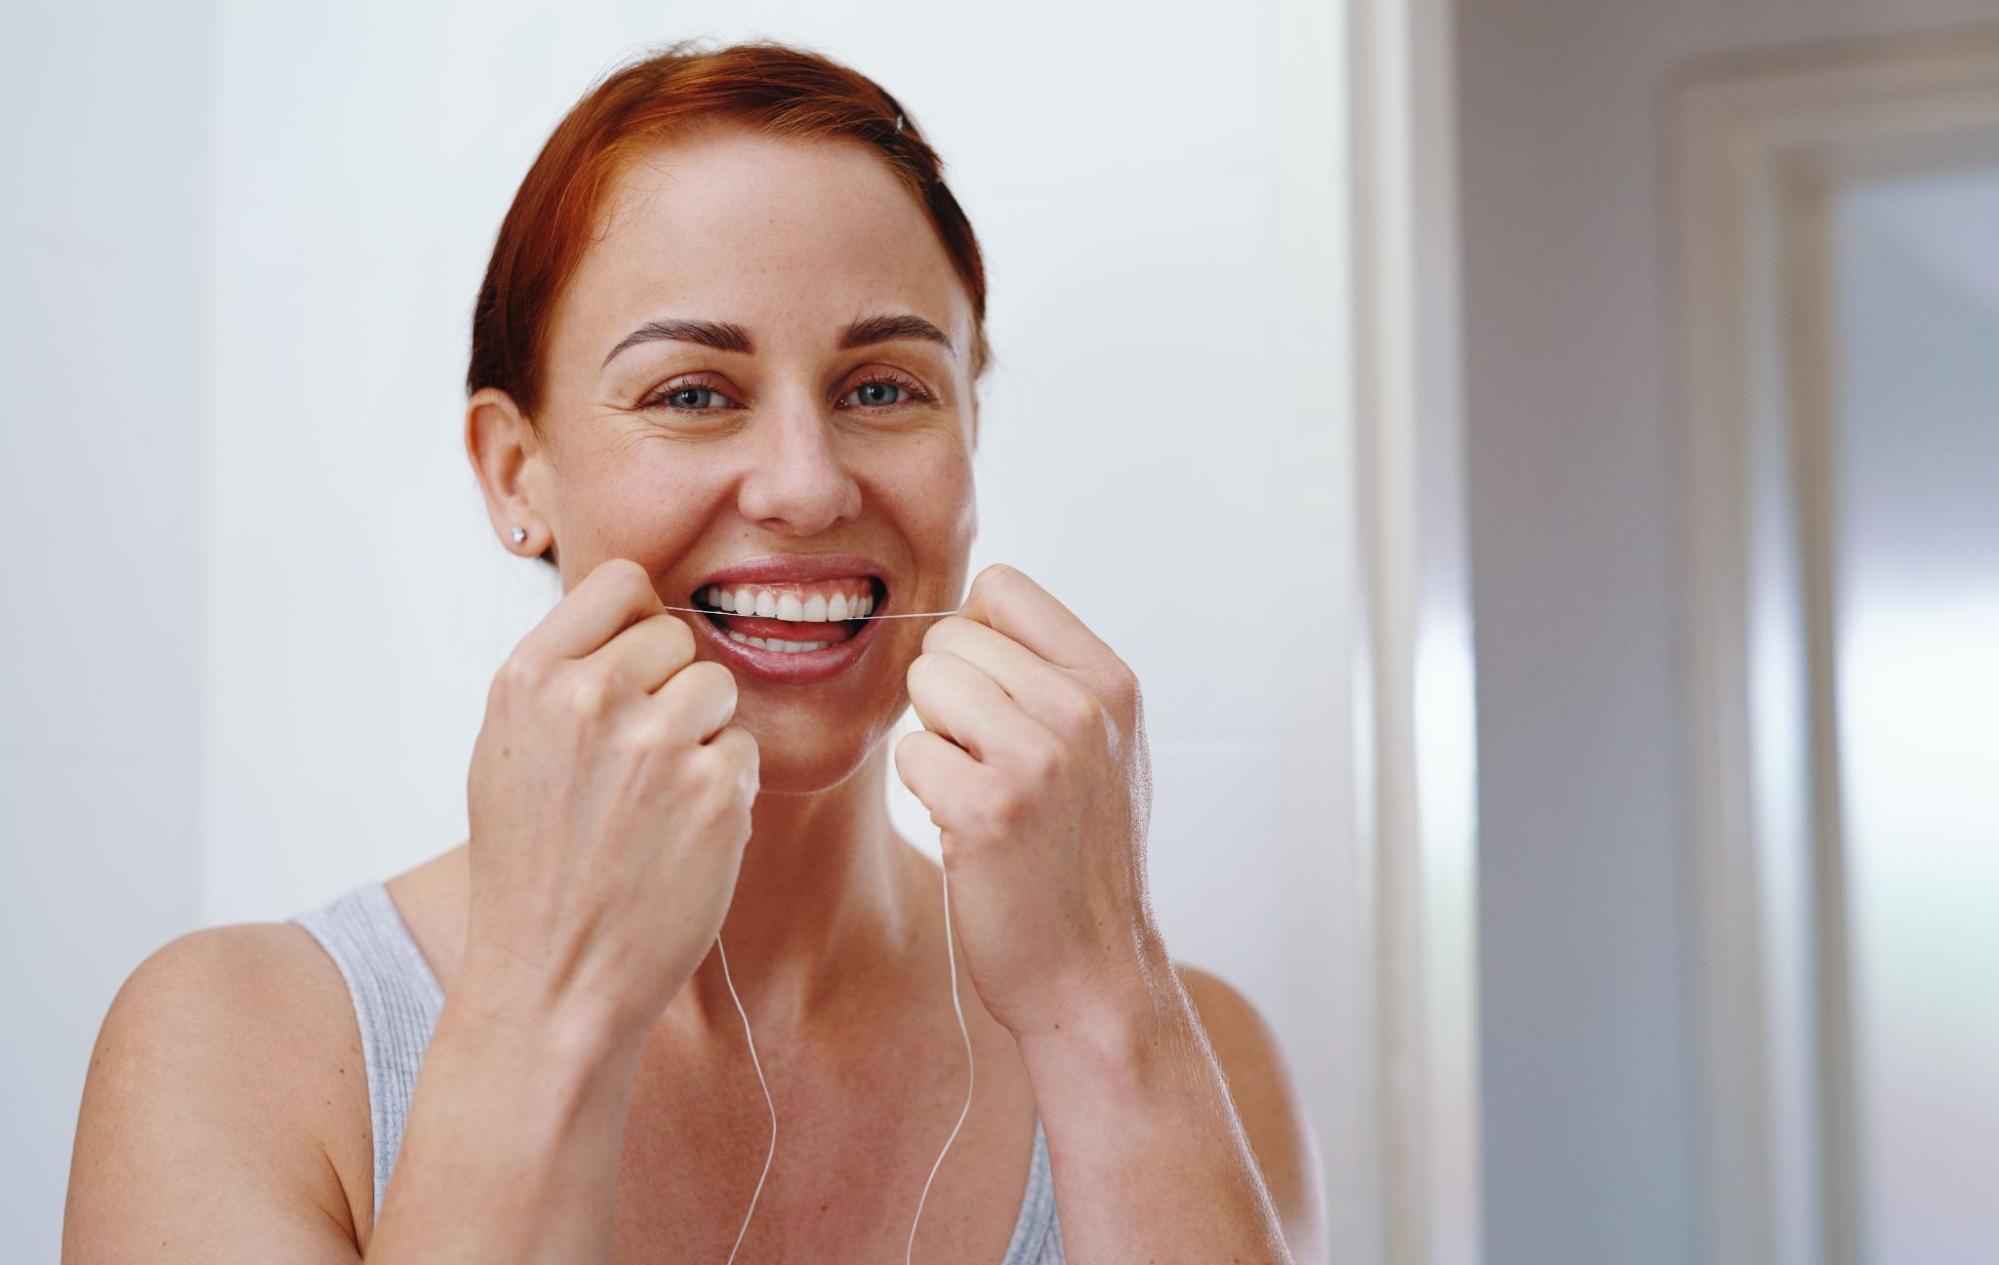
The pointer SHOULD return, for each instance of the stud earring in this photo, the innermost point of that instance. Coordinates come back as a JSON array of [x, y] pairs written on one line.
[[520, 534]]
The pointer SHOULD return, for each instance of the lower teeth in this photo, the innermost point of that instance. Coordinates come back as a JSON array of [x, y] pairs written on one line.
[[778, 644]]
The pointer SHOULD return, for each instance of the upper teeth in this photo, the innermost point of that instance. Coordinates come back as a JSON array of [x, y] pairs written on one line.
[[814, 604]]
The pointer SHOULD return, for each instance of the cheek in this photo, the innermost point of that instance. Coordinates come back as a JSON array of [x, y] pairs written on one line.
[[931, 492], [643, 504]]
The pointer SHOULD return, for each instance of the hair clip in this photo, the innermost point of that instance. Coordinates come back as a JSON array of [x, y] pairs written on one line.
[[898, 122]]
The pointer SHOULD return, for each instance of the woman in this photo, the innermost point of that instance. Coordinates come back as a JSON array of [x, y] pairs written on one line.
[[723, 380]]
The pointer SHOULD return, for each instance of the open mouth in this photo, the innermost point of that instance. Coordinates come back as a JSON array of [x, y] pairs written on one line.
[[792, 617]]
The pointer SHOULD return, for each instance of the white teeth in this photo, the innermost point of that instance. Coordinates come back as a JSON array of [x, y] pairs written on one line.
[[790, 606], [778, 644]]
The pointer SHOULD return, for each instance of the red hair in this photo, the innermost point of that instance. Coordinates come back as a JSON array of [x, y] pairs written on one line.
[[781, 90]]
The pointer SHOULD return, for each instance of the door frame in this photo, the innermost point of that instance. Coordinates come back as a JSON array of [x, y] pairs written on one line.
[[1414, 715], [1762, 147]]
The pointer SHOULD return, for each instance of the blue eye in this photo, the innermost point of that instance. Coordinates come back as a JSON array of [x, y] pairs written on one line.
[[883, 393], [690, 399], [875, 393]]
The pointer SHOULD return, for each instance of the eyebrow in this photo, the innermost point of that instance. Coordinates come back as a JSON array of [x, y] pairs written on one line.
[[725, 336]]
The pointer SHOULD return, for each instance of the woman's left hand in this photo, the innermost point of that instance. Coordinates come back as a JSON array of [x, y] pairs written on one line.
[[1033, 764]]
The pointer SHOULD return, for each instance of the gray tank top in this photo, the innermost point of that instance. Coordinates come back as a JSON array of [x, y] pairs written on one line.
[[397, 999]]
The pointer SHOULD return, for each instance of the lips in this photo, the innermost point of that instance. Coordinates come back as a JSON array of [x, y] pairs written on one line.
[[792, 618]]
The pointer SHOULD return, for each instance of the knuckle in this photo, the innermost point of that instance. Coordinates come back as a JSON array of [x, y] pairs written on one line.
[[970, 809], [588, 694], [1124, 680], [1078, 714], [517, 676], [650, 732], [725, 782], [1121, 686], [725, 759], [1041, 765], [707, 808], [679, 637], [623, 572], [707, 676], [626, 579], [1003, 806], [941, 633]]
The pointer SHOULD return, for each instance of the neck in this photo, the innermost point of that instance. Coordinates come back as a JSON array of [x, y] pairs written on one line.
[[822, 906]]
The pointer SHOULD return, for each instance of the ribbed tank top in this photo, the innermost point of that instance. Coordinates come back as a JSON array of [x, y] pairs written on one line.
[[397, 1000]]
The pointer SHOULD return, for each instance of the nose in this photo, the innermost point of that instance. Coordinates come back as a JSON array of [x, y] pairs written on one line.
[[798, 483]]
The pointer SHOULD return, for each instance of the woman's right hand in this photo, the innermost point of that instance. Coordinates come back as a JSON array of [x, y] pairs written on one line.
[[610, 799]]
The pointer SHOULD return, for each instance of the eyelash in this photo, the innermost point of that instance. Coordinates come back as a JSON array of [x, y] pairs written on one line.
[[914, 392]]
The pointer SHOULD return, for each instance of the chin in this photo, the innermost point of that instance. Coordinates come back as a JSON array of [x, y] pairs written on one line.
[[801, 758]]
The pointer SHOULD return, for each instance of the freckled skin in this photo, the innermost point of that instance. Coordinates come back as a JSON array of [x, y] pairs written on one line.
[[791, 241]]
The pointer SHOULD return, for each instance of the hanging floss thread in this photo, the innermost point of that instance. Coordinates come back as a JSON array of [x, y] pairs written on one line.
[[951, 956]]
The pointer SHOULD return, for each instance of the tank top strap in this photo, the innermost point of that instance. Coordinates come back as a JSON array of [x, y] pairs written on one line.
[[1037, 1233], [396, 1001]]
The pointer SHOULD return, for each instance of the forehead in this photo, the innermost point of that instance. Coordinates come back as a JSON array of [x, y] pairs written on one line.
[[775, 233]]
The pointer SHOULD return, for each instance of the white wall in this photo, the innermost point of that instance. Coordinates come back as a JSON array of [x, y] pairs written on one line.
[[103, 269], [1584, 956]]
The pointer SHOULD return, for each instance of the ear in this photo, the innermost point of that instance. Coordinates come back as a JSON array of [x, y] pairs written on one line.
[[508, 458]]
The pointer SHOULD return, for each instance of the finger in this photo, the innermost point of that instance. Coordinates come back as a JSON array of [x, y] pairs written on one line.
[[641, 658], [738, 746], [931, 767], [959, 702], [1005, 599], [1045, 692], [616, 594], [697, 702]]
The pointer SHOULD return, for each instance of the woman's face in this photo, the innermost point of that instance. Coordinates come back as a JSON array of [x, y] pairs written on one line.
[[758, 386]]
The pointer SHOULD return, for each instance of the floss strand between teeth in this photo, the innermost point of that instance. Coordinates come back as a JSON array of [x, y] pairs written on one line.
[[698, 610]]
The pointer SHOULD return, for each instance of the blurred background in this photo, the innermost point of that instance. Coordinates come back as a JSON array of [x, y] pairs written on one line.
[[1601, 395]]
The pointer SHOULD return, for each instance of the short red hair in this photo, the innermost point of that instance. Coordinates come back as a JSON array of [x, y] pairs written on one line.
[[782, 90]]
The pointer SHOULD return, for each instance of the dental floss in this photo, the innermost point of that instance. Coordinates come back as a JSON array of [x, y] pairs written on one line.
[[758, 1064], [971, 1070], [699, 610]]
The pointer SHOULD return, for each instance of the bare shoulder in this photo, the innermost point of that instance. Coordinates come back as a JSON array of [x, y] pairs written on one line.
[[226, 1062], [1271, 1106]]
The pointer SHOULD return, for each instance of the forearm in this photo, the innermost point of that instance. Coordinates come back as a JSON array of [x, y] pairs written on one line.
[[511, 1150], [1150, 1160]]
